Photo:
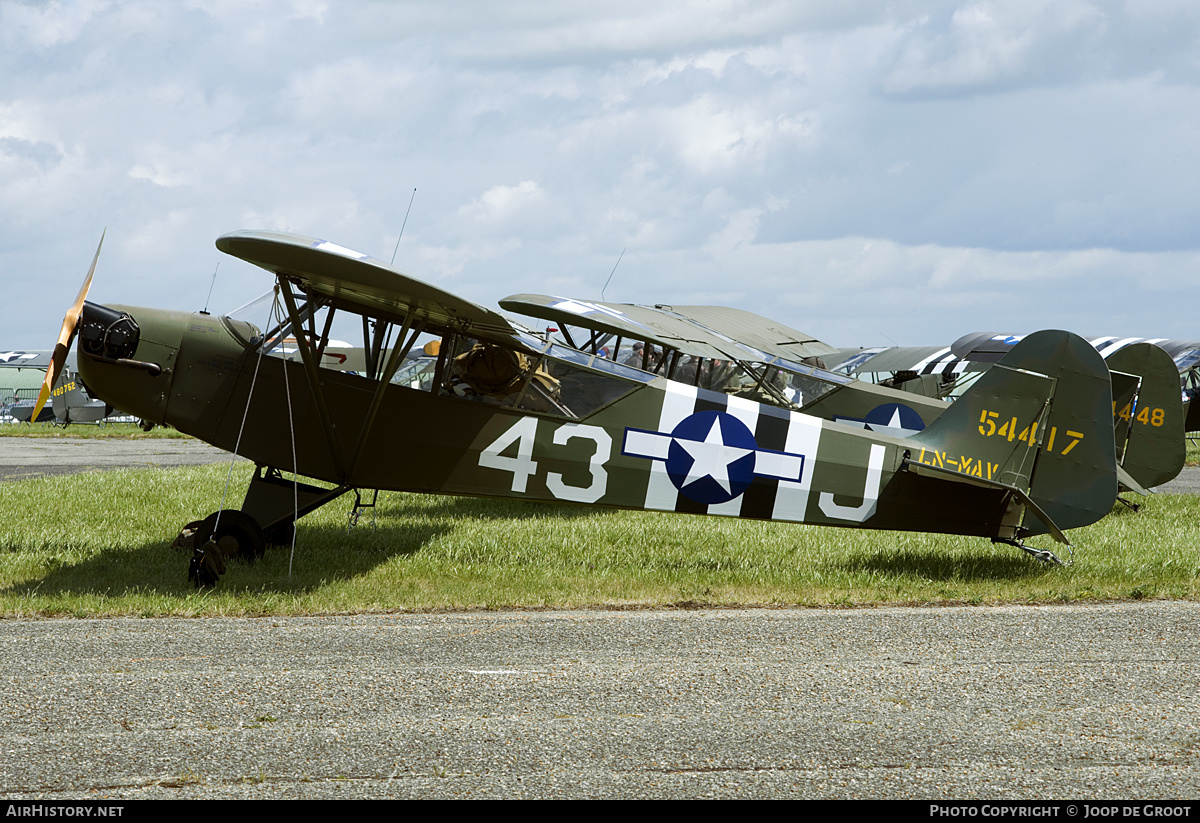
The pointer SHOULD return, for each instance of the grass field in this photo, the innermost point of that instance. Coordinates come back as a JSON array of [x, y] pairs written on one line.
[[109, 431], [98, 544]]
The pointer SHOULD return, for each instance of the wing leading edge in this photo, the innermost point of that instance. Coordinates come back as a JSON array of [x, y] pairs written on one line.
[[357, 281]]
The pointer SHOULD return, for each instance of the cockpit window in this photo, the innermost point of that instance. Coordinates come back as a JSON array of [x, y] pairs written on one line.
[[561, 384]]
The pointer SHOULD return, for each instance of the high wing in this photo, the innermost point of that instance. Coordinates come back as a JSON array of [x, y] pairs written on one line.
[[358, 283], [28, 359], [753, 330], [696, 345], [700, 331], [631, 321]]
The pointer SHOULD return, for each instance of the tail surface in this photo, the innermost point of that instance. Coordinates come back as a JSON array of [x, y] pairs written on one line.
[[1039, 424], [1149, 426]]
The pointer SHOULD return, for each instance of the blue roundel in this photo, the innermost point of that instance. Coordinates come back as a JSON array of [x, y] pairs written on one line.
[[895, 415], [711, 457]]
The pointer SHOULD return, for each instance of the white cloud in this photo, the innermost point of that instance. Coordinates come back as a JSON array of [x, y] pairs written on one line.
[[500, 203], [49, 24]]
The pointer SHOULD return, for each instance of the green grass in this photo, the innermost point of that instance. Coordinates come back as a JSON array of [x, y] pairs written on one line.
[[105, 431], [98, 544]]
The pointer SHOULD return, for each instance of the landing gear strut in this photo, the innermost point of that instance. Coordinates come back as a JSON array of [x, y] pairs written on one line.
[[267, 517]]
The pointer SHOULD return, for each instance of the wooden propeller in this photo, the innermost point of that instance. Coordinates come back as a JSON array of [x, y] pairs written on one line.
[[66, 335]]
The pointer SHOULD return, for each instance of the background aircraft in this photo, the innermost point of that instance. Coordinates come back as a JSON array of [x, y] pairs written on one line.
[[731, 351], [22, 372], [951, 366]]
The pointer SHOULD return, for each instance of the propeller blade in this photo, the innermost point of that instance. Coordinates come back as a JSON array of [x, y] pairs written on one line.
[[69, 326]]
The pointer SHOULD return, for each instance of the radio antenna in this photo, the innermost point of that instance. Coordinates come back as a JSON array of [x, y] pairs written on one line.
[[402, 225], [611, 273], [210, 288]]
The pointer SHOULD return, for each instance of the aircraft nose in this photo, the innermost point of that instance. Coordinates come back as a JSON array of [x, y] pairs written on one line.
[[108, 333], [127, 356]]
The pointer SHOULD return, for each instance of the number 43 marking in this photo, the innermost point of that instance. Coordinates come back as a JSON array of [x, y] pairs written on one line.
[[523, 466]]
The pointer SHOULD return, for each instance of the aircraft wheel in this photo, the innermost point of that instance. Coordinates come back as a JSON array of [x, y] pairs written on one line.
[[207, 566], [236, 535], [282, 534]]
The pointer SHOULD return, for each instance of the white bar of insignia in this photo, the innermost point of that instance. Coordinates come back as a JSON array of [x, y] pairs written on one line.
[[803, 438], [342, 250], [651, 445], [679, 401], [747, 412]]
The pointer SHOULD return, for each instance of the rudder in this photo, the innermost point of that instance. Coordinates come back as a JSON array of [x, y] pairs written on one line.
[[1038, 422]]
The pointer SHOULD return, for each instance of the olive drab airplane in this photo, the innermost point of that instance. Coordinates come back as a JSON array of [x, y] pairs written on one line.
[[1028, 450]]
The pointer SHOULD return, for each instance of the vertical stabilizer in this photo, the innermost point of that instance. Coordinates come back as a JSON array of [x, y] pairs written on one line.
[[1039, 423], [1150, 437], [1075, 480]]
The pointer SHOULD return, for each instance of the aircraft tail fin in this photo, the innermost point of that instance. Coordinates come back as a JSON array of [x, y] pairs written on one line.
[[1038, 424], [1149, 426], [58, 394]]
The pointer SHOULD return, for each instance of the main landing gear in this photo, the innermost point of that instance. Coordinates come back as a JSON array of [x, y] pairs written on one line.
[[267, 518], [224, 534]]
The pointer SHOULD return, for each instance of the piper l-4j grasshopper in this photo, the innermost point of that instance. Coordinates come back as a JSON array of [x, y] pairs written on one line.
[[1029, 450]]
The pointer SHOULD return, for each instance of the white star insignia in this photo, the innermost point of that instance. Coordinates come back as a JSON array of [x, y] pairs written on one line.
[[711, 457]]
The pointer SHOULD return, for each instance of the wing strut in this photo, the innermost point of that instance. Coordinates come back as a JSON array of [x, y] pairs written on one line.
[[399, 350], [314, 381]]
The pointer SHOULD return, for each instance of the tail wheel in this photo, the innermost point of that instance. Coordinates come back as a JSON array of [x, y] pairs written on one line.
[[221, 536]]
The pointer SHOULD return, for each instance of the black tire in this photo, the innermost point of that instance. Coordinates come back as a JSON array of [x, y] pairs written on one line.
[[236, 533]]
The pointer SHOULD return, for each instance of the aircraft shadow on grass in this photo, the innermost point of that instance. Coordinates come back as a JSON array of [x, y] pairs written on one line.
[[480, 508], [400, 529], [937, 566]]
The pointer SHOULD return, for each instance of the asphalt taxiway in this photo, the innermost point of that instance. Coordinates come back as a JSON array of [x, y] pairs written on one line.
[[22, 458], [1096, 701]]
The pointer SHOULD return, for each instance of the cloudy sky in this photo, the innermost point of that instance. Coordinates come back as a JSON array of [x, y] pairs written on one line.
[[870, 172]]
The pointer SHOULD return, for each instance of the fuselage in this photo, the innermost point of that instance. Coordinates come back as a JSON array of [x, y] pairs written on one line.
[[598, 433]]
